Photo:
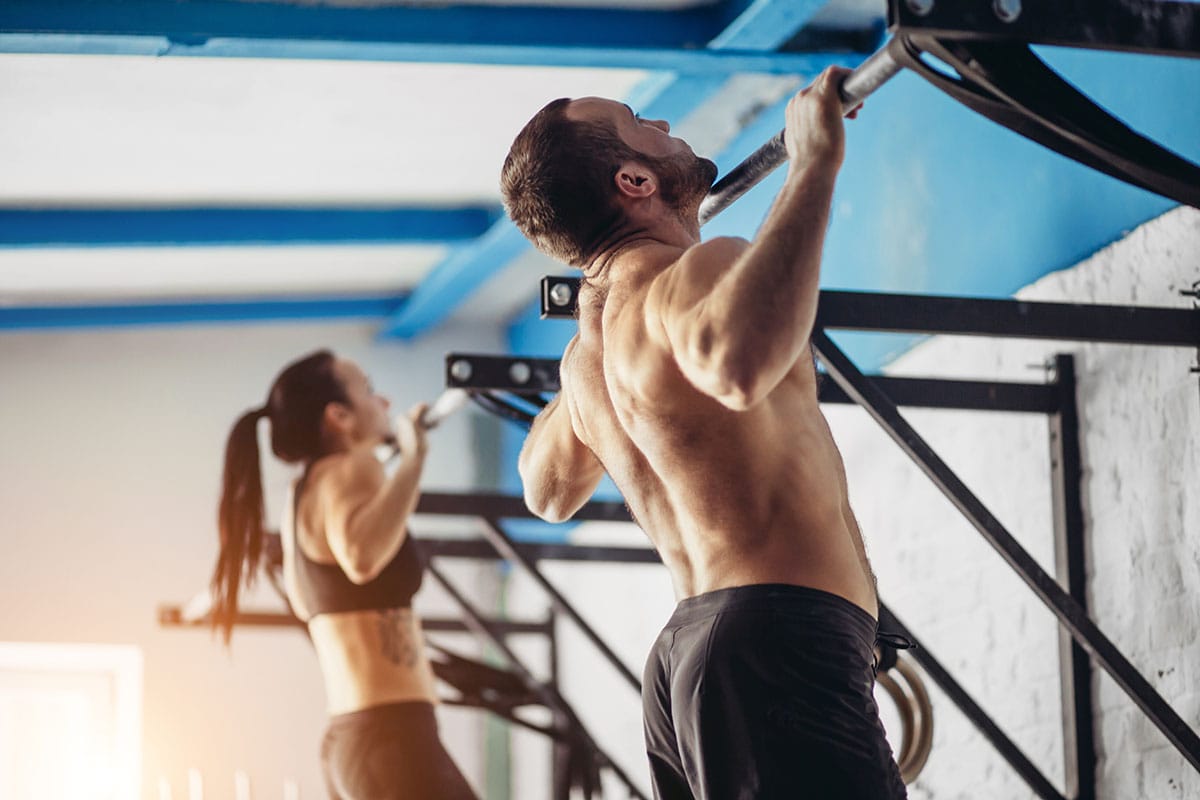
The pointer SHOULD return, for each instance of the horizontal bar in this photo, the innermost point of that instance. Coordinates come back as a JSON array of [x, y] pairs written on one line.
[[683, 61], [1138, 26], [506, 373], [1018, 319], [107, 227], [476, 372], [500, 506], [1005, 746], [1031, 398], [170, 616], [871, 74], [1054, 597], [539, 551], [17, 318], [968, 316]]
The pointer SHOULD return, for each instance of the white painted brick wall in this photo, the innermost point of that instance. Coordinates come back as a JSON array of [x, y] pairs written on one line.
[[1140, 411]]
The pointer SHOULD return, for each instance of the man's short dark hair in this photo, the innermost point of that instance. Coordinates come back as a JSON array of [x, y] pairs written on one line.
[[557, 183]]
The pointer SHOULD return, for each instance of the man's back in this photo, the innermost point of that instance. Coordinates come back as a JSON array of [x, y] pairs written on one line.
[[729, 497]]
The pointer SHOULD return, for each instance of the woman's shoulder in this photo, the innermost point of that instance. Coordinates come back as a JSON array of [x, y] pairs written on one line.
[[351, 470]]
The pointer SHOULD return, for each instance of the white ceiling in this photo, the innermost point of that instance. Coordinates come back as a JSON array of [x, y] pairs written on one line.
[[129, 130], [118, 131]]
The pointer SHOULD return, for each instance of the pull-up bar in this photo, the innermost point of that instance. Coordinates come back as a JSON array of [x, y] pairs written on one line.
[[865, 79]]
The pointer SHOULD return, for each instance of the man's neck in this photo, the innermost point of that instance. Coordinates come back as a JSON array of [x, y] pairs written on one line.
[[669, 231]]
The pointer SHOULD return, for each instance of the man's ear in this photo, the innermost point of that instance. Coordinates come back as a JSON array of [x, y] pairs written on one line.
[[635, 180]]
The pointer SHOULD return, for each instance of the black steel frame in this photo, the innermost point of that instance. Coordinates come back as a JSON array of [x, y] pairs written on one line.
[[1080, 639]]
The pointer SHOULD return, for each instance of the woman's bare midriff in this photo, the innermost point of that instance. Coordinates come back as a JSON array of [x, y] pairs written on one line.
[[372, 657]]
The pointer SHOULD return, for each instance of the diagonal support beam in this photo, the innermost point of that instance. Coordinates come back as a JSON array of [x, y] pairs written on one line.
[[549, 695], [507, 548], [453, 280], [1060, 603], [767, 25]]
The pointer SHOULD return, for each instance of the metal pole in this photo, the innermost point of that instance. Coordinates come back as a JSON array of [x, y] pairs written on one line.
[[877, 70], [1066, 472], [971, 710], [508, 548], [549, 696], [1069, 612]]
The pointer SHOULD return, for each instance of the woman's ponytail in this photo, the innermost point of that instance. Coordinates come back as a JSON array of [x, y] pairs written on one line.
[[239, 520]]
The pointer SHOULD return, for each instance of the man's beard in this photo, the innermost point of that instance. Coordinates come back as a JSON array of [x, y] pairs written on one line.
[[684, 179]]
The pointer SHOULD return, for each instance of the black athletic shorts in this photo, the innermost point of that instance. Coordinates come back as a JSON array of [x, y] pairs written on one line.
[[765, 692], [390, 752]]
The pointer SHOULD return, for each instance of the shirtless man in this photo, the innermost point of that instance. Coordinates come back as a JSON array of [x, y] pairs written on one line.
[[691, 383]]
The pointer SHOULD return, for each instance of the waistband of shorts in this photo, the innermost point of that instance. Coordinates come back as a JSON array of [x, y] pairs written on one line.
[[774, 596], [404, 711]]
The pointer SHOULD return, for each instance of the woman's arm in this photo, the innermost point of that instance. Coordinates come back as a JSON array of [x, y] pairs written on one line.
[[366, 513]]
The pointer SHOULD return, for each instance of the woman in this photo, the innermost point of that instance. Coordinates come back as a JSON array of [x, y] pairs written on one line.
[[350, 570]]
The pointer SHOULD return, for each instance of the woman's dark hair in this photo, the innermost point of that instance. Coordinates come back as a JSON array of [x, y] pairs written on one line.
[[295, 406]]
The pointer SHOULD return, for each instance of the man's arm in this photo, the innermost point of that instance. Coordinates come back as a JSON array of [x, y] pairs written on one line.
[[558, 471], [737, 316]]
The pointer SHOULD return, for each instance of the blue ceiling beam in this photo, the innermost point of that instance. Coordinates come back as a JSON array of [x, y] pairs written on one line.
[[689, 62], [197, 22], [34, 318], [455, 279], [148, 227], [510, 35], [766, 24]]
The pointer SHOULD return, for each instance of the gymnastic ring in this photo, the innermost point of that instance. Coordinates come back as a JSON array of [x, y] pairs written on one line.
[[905, 687]]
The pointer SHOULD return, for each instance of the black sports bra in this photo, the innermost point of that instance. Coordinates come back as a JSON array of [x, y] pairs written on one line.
[[325, 589]]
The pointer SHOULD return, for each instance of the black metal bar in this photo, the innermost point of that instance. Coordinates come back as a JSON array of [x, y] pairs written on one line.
[[879, 68], [1141, 26], [1066, 472], [1054, 596], [1010, 85], [540, 551], [508, 548], [548, 694], [1005, 746], [960, 395], [1018, 319], [502, 506], [915, 392], [505, 410], [511, 373], [172, 617], [560, 777], [973, 316]]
